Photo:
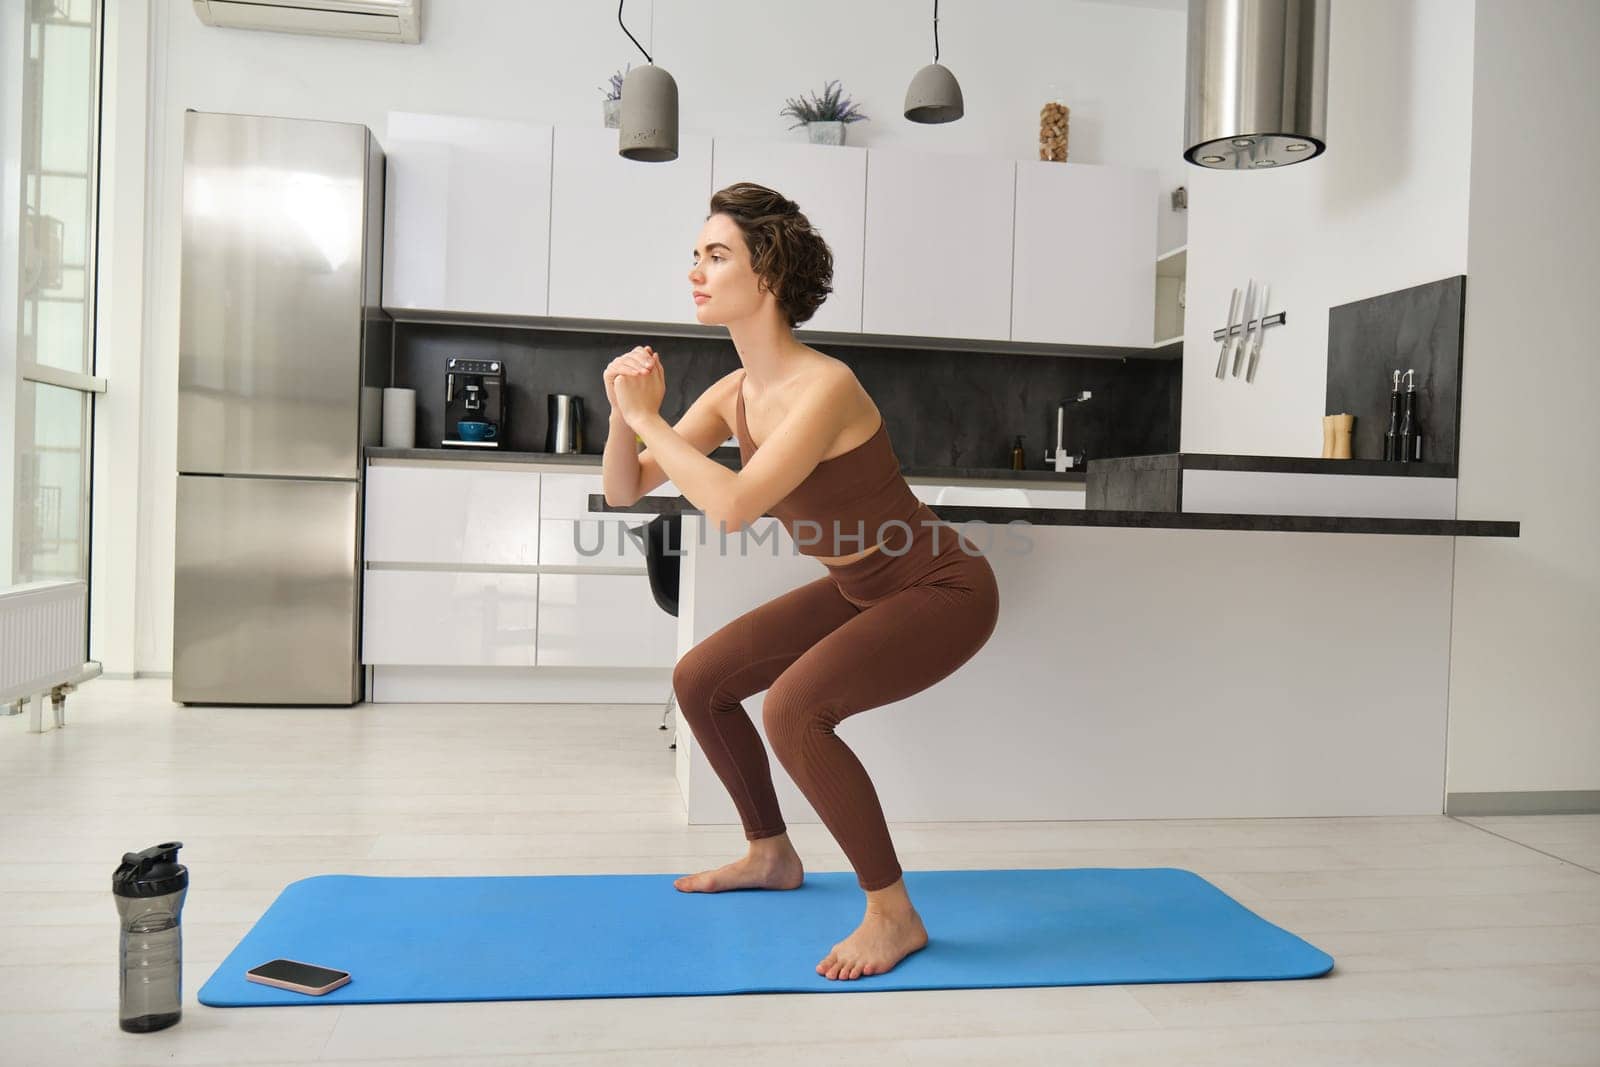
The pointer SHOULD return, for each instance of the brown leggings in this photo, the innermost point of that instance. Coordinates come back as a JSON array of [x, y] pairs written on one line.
[[868, 633]]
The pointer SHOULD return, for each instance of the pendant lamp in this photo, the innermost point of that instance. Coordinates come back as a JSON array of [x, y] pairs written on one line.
[[934, 95], [647, 128]]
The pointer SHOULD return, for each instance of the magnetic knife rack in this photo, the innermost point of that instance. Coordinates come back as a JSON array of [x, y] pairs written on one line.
[[1228, 334], [1277, 318]]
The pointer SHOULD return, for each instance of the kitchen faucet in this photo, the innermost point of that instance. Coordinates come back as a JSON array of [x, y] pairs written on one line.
[[1056, 458]]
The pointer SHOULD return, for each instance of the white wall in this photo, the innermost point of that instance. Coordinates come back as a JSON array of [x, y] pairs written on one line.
[[119, 337], [1440, 122], [1384, 208], [1119, 66], [1524, 676]]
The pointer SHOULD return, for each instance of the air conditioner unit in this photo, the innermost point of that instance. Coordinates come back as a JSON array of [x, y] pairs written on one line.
[[373, 20]]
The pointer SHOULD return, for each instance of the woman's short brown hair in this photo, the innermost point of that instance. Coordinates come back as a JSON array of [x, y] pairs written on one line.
[[788, 255]]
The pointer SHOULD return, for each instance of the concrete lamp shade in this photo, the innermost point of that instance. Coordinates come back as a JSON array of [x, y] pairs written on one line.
[[934, 95], [648, 127]]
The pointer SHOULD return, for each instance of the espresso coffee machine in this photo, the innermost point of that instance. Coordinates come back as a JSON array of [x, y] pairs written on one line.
[[474, 403]]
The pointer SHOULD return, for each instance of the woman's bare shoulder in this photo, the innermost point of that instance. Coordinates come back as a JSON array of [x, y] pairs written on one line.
[[726, 383], [726, 388], [723, 395], [824, 377], [831, 373], [842, 378]]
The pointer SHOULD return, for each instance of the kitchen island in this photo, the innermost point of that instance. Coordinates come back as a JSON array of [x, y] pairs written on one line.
[[485, 576], [1146, 664]]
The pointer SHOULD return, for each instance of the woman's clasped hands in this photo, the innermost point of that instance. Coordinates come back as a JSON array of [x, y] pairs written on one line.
[[635, 384]]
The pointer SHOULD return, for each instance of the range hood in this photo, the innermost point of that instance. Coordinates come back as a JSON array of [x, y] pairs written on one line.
[[1257, 83]]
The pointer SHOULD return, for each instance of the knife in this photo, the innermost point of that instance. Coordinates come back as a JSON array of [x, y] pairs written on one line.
[[1222, 356], [1255, 353], [1244, 327]]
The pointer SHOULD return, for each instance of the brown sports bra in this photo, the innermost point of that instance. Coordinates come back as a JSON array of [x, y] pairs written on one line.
[[847, 500]]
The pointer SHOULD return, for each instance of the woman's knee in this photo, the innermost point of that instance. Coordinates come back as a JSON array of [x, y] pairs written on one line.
[[789, 714], [696, 676]]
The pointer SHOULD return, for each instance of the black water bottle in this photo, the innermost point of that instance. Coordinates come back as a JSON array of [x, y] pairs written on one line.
[[150, 887]]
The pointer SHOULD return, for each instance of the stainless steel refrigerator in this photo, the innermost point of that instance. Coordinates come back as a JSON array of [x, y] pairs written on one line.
[[283, 353]]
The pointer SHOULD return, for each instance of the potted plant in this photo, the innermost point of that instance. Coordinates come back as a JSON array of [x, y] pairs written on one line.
[[825, 116], [613, 100]]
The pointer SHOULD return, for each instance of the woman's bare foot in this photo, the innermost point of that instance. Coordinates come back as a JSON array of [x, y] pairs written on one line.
[[772, 863], [891, 931]]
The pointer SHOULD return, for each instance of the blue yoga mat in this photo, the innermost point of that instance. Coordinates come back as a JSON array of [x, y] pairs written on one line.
[[634, 935]]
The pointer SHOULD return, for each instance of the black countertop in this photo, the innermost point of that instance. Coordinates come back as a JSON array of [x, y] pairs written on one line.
[[1150, 520], [728, 457], [1157, 520], [1216, 461]]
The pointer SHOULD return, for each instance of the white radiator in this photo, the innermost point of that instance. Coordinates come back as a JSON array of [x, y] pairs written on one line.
[[42, 627]]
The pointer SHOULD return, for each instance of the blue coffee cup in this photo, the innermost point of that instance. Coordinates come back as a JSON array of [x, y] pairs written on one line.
[[475, 430]]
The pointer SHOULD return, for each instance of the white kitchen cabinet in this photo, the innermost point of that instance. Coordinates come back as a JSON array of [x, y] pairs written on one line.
[[594, 542], [466, 215], [449, 618], [499, 217], [938, 245], [437, 514], [622, 233], [603, 620], [566, 496], [468, 565], [1085, 238], [829, 183], [573, 536]]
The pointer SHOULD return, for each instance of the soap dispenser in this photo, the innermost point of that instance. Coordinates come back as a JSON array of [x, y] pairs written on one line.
[[1410, 422], [1017, 454]]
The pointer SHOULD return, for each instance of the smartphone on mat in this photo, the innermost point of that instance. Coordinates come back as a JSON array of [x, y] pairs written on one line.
[[300, 977]]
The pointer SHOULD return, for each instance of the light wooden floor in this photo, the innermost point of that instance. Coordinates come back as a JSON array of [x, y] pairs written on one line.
[[1457, 941]]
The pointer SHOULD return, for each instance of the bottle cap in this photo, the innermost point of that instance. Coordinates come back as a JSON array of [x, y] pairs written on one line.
[[155, 872]]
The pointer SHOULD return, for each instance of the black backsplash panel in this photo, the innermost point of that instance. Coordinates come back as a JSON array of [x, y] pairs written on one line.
[[943, 408], [1368, 340]]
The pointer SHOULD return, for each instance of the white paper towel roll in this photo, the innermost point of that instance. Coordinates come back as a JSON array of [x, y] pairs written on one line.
[[399, 418]]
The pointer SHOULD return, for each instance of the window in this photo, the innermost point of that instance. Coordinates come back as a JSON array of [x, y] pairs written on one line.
[[50, 88]]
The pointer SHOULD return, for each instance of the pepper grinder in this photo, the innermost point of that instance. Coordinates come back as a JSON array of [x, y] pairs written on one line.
[[1343, 425], [1336, 430]]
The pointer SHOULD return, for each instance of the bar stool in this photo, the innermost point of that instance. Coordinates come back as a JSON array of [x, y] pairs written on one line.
[[663, 543]]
